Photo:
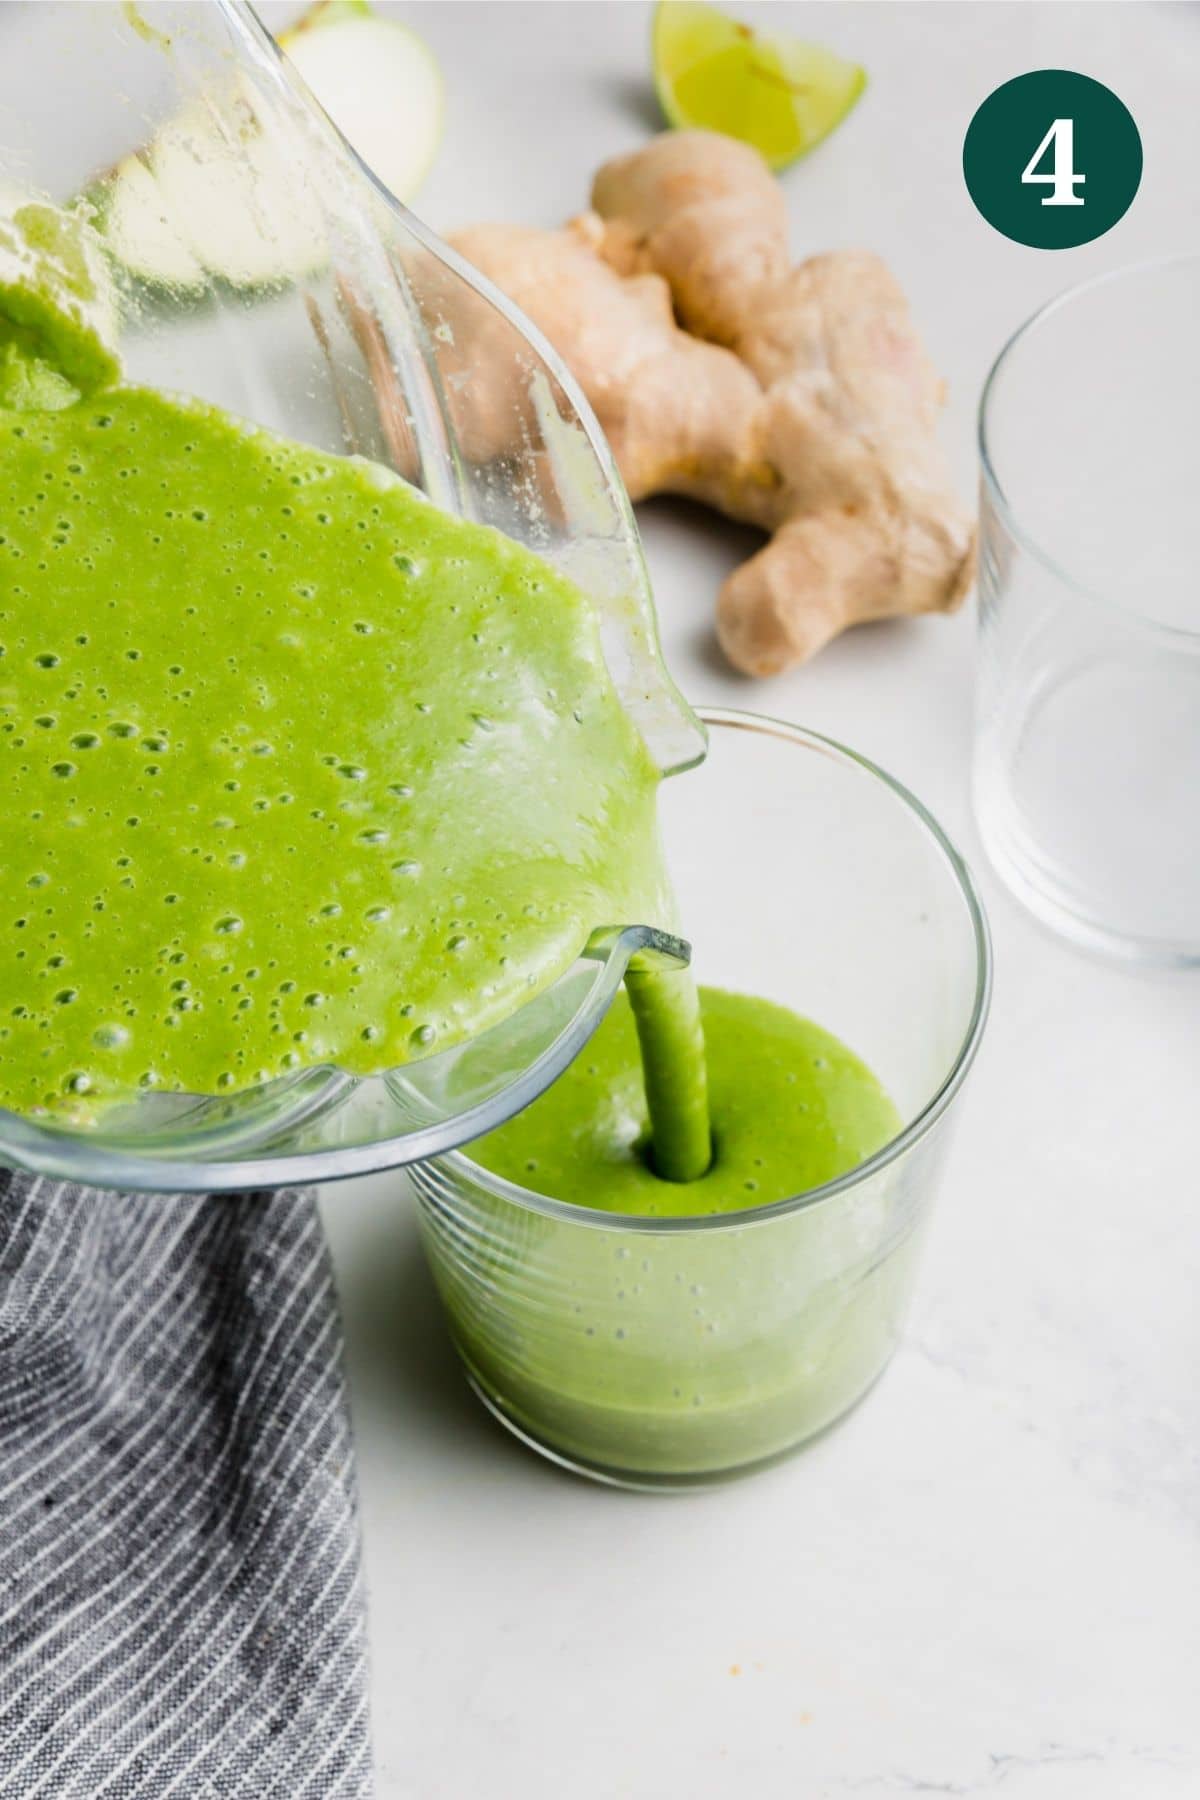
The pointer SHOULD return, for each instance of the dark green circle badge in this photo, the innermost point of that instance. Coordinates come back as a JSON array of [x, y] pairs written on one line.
[[1052, 159]]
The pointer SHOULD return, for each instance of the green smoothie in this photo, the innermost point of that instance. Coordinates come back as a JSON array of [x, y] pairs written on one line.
[[791, 1108], [57, 306], [294, 769]]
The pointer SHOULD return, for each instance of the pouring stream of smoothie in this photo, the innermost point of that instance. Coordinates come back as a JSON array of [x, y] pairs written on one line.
[[666, 1011]]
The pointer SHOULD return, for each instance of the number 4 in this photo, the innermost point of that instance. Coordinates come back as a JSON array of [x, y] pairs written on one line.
[[1062, 179]]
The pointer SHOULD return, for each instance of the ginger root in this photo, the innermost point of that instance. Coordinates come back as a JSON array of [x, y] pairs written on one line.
[[798, 399]]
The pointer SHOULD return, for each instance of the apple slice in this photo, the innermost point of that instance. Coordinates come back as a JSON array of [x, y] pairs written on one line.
[[218, 194], [137, 226], [380, 84]]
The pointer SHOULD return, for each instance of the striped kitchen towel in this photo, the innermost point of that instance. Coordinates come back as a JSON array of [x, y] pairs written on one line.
[[181, 1608]]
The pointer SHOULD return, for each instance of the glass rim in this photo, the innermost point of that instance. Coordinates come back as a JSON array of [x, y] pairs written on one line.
[[458, 1163], [1180, 635]]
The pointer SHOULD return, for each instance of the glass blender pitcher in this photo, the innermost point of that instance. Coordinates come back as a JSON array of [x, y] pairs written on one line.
[[257, 264]]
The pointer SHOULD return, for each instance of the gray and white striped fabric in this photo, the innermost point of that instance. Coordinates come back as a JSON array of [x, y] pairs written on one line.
[[181, 1607]]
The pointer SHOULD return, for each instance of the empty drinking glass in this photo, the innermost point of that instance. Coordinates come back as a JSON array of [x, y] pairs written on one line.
[[1087, 762]]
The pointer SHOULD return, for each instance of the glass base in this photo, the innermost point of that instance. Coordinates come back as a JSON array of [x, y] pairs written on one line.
[[1022, 870], [1085, 795], [643, 1481]]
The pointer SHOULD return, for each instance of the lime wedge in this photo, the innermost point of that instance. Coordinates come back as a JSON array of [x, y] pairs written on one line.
[[779, 94]]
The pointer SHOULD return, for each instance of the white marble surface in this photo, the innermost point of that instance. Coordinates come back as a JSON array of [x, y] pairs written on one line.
[[988, 1580]]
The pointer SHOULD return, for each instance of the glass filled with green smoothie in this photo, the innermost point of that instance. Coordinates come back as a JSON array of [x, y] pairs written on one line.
[[666, 1333]]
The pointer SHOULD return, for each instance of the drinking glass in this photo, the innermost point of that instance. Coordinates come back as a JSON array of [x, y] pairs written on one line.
[[256, 263], [668, 1353], [1087, 755]]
